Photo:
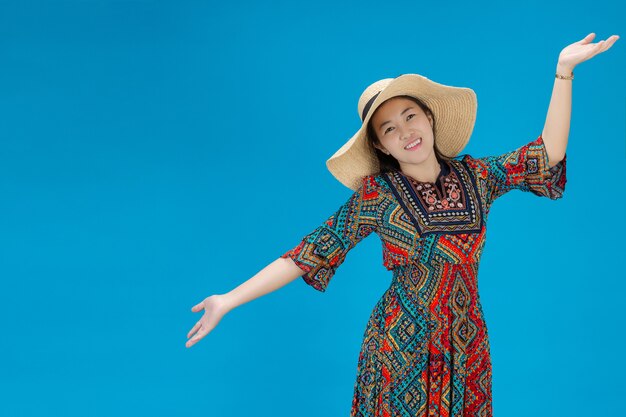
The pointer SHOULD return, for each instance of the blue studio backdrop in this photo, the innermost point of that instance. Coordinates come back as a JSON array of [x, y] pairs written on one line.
[[153, 153]]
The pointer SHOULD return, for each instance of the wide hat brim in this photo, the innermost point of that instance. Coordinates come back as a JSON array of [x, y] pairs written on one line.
[[454, 110]]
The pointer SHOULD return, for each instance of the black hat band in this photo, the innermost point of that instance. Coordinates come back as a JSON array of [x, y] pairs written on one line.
[[368, 105]]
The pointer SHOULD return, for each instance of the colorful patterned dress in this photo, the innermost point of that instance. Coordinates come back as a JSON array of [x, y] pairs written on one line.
[[425, 349]]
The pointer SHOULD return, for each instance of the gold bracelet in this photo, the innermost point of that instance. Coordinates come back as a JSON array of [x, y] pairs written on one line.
[[563, 77]]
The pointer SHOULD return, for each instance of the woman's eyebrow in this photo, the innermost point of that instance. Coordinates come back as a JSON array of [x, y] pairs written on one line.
[[389, 121]]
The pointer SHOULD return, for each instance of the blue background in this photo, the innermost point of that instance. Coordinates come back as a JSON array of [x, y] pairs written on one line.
[[154, 153]]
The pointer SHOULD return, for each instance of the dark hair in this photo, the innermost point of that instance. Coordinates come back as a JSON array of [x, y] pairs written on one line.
[[388, 162]]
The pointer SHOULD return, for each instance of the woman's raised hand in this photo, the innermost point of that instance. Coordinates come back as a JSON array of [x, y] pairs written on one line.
[[214, 309], [583, 50]]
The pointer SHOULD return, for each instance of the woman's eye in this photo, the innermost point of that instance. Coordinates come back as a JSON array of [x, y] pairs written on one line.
[[387, 130], [410, 116]]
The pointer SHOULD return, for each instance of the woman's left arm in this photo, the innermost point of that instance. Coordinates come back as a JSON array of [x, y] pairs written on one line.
[[556, 129]]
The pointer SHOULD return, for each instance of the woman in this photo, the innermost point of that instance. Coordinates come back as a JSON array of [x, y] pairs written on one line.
[[425, 350]]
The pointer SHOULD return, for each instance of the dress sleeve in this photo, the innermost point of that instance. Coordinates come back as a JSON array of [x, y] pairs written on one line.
[[525, 168], [320, 252]]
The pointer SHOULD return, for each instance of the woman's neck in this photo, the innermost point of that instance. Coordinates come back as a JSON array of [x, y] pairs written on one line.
[[426, 171]]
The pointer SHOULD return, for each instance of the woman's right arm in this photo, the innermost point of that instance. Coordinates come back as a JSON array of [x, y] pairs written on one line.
[[274, 276], [316, 257]]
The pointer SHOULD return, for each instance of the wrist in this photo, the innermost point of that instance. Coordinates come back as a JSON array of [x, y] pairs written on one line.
[[566, 70], [226, 303]]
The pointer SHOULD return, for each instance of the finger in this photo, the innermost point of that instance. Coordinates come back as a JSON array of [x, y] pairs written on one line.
[[587, 38], [194, 329], [603, 46], [194, 339], [197, 337], [198, 307], [611, 41]]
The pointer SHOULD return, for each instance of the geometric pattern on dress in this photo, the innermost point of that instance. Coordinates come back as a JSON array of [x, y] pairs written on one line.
[[525, 169], [321, 251], [425, 349]]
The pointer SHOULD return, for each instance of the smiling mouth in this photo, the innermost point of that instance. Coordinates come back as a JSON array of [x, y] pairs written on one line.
[[413, 144]]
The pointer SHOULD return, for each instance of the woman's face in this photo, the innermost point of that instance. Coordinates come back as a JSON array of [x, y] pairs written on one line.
[[399, 123]]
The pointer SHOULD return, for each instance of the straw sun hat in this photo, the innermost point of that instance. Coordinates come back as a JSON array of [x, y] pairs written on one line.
[[454, 110]]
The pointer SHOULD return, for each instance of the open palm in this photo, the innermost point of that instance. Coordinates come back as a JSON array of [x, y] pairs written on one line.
[[583, 50], [214, 309]]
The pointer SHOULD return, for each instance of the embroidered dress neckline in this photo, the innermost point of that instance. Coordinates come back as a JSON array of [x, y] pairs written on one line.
[[449, 205]]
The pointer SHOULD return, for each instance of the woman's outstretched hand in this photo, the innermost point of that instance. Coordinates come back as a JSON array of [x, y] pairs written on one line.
[[583, 50], [214, 309]]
